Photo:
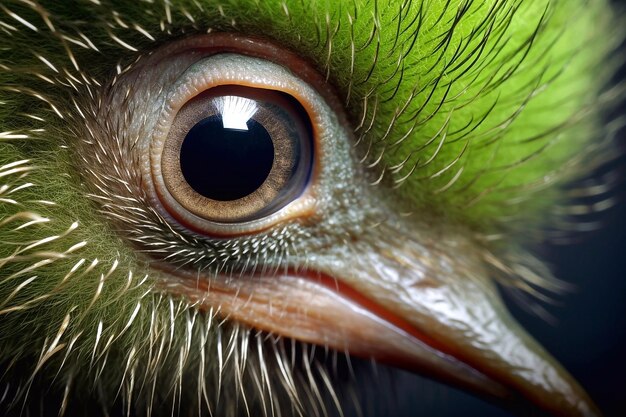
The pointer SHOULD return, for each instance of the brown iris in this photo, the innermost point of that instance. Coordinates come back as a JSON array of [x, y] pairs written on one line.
[[235, 154]]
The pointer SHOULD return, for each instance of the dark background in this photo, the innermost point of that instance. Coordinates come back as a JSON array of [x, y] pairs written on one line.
[[589, 337]]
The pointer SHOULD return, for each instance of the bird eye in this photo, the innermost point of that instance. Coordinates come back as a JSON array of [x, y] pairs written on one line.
[[235, 143], [236, 154]]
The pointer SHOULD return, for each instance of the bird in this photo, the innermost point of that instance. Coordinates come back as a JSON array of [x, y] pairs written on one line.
[[417, 152]]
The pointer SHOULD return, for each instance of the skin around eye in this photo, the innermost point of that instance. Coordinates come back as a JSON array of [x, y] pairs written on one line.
[[290, 113], [236, 153]]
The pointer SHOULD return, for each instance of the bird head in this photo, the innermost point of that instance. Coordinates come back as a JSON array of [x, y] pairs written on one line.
[[416, 150]]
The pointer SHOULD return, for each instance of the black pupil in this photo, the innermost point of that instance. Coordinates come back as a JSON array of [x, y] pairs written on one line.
[[226, 164]]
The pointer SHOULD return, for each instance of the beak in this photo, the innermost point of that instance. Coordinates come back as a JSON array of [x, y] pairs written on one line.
[[426, 306]]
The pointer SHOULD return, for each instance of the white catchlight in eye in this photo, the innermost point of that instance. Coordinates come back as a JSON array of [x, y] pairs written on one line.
[[236, 111]]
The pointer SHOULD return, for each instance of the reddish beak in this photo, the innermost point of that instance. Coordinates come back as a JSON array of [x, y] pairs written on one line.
[[412, 306]]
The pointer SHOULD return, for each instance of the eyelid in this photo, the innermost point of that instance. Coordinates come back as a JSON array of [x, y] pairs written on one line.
[[136, 100], [208, 66], [203, 46]]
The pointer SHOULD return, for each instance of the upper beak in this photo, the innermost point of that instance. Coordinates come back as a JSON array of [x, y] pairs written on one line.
[[424, 306]]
